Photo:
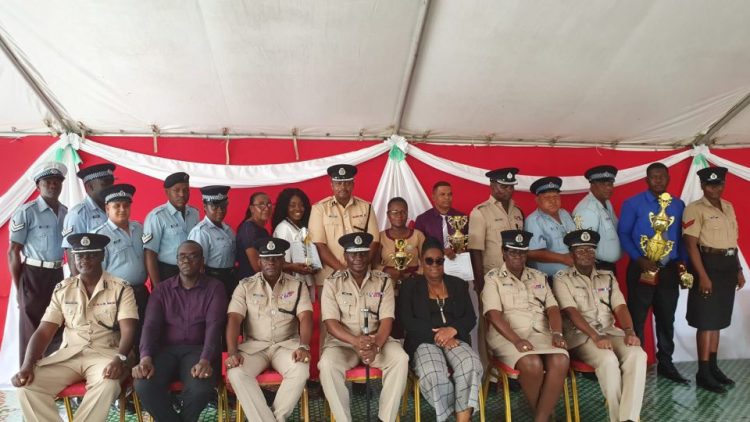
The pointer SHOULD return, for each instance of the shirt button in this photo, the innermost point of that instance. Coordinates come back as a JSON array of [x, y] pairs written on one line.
[[273, 327], [273, 312]]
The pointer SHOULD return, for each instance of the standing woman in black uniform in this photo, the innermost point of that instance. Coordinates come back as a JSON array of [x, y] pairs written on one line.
[[710, 231]]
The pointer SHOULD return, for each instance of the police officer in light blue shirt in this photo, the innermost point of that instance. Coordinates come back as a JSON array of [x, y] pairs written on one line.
[[35, 257], [89, 214], [166, 227], [216, 237], [549, 223], [596, 213]]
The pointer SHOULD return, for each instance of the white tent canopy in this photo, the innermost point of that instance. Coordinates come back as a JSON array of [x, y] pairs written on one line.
[[596, 72]]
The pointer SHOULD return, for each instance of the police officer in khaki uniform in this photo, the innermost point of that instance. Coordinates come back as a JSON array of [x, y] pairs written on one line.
[[277, 311], [710, 233], [486, 221], [591, 300], [526, 330], [337, 215], [99, 315], [348, 294]]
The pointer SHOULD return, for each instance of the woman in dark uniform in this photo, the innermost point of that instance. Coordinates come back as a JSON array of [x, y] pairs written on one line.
[[710, 232]]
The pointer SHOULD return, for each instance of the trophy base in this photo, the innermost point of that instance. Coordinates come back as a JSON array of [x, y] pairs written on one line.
[[650, 278]]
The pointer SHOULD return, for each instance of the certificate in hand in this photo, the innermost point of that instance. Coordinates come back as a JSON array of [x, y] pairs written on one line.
[[460, 266], [300, 256]]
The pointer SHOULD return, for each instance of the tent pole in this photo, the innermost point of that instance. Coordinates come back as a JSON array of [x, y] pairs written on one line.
[[736, 109], [406, 83], [34, 85]]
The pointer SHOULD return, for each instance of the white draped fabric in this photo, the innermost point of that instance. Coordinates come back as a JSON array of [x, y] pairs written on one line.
[[397, 180]]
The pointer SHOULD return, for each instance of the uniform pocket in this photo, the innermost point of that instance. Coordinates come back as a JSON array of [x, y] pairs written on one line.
[[40, 240]]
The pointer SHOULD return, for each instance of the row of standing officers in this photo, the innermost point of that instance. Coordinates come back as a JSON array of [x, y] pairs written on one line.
[[40, 225]]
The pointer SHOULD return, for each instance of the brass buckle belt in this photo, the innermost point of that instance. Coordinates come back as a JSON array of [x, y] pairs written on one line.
[[715, 251]]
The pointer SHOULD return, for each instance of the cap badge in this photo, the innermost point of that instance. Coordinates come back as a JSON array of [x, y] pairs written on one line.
[[713, 176], [85, 241], [519, 238], [585, 236], [509, 176], [342, 172], [358, 240], [270, 246]]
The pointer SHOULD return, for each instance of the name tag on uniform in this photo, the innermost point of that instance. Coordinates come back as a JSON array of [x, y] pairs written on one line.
[[286, 295], [358, 216], [508, 284], [375, 294], [538, 286], [70, 303], [580, 287], [105, 303], [602, 289], [347, 294], [258, 295]]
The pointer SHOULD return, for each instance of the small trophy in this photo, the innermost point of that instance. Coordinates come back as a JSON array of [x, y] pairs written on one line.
[[458, 240], [657, 247], [306, 243], [401, 258]]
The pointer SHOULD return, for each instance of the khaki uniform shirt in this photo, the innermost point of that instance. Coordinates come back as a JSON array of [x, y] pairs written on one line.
[[270, 317], [486, 221], [329, 220], [88, 322], [523, 302], [413, 246], [713, 227], [343, 300], [595, 298]]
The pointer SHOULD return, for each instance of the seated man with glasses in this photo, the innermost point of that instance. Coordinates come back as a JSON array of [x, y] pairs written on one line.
[[591, 301], [181, 339], [99, 316], [277, 314], [525, 325]]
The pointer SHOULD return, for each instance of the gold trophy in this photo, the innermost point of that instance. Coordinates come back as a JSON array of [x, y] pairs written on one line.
[[306, 243], [658, 247], [401, 258], [458, 240]]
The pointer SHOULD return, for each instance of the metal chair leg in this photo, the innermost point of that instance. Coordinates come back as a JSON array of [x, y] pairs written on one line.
[[305, 405], [506, 395], [417, 401], [566, 393], [123, 402], [481, 404], [68, 408], [574, 387], [137, 406]]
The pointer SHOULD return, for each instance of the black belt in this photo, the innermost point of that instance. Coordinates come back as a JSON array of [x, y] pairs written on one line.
[[715, 251]]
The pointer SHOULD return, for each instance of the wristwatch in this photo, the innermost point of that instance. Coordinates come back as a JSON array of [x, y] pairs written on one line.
[[304, 346], [122, 358]]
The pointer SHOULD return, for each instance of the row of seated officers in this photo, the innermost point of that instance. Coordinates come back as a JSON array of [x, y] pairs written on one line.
[[533, 327]]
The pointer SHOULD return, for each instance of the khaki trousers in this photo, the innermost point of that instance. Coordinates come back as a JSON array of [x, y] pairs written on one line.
[[336, 360], [38, 399], [247, 389], [621, 373]]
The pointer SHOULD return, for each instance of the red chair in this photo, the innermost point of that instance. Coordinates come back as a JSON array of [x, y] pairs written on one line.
[[267, 378], [176, 387], [582, 367], [504, 372], [357, 374], [78, 389]]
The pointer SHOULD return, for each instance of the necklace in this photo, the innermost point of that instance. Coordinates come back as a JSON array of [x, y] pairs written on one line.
[[441, 304], [440, 301]]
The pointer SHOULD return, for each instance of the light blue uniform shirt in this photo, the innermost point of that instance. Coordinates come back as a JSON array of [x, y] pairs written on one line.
[[218, 243], [83, 218], [602, 220], [123, 255], [36, 226], [549, 234], [165, 229]]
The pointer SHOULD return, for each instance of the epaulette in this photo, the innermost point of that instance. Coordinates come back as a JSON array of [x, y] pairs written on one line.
[[535, 272], [339, 274], [378, 273], [26, 206], [66, 282], [493, 272]]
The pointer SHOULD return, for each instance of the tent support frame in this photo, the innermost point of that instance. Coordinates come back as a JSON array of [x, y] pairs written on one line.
[[705, 138]]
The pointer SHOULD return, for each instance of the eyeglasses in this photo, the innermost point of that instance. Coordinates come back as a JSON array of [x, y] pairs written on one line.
[[264, 205], [188, 257], [435, 261], [584, 250]]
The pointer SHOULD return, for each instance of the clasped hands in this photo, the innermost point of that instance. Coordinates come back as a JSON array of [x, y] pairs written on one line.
[[445, 337]]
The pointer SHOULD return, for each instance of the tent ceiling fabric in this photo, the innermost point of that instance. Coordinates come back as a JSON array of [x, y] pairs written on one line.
[[597, 71]]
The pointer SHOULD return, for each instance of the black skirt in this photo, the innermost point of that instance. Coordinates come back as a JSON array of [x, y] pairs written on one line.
[[715, 311]]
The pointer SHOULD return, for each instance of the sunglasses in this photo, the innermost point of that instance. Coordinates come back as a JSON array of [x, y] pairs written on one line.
[[436, 261]]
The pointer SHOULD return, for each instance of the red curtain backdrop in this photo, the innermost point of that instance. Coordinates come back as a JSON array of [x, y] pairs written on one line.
[[531, 160]]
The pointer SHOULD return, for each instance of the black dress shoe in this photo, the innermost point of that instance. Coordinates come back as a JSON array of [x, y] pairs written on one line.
[[721, 377], [671, 373], [710, 384]]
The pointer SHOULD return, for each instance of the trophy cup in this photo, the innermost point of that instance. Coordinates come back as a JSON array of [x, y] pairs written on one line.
[[657, 247], [305, 234], [401, 258], [458, 240]]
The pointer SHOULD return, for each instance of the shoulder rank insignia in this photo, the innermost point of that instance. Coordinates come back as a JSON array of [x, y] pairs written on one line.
[[14, 227], [147, 237], [66, 231]]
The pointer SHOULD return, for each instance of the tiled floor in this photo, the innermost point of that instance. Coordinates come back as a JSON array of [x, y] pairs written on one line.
[[663, 401]]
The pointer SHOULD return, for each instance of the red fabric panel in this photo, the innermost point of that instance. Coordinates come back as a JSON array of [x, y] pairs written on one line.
[[531, 160]]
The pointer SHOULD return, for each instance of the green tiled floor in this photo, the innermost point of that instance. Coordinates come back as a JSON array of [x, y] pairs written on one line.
[[663, 401]]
